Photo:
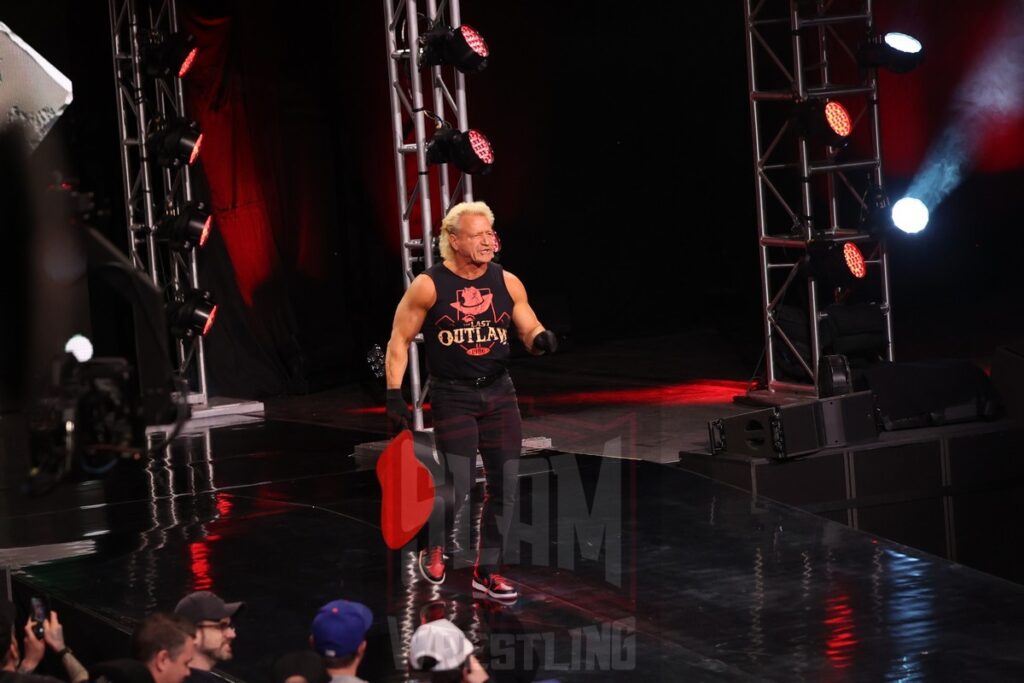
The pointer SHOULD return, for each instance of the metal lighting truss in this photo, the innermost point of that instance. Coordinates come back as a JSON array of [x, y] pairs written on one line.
[[152, 191], [800, 51], [403, 23]]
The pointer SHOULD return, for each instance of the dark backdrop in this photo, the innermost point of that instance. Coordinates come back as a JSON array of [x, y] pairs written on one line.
[[623, 186]]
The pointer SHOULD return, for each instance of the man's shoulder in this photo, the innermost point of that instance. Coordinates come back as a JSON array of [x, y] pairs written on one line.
[[346, 678], [422, 289], [18, 677], [436, 270], [200, 676], [513, 284]]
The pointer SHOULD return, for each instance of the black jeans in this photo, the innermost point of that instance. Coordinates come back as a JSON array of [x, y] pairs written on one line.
[[467, 419]]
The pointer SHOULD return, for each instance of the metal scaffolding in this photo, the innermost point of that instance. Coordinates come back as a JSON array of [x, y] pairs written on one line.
[[801, 51], [151, 190], [404, 24]]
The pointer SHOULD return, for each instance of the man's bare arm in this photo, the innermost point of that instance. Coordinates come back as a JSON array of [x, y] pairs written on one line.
[[409, 317], [523, 317]]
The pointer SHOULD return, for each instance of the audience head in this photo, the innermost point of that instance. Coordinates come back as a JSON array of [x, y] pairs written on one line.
[[441, 653], [215, 630], [165, 643], [339, 633]]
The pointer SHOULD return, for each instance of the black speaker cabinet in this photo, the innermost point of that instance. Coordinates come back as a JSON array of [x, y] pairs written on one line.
[[934, 392], [1008, 378], [787, 431]]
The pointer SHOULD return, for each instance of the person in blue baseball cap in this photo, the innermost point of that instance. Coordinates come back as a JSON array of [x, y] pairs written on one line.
[[339, 635]]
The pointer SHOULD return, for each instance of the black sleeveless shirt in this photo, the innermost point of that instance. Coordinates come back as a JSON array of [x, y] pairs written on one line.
[[466, 330]]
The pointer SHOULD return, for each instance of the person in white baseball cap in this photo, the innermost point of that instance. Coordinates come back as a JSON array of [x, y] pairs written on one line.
[[441, 653]]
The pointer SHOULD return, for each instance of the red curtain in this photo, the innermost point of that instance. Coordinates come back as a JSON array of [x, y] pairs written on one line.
[[259, 157], [962, 42]]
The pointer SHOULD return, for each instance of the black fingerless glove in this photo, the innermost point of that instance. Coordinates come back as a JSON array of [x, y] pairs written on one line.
[[397, 411], [545, 342]]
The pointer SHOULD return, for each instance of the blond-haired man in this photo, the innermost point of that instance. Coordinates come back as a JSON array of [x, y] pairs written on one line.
[[466, 306]]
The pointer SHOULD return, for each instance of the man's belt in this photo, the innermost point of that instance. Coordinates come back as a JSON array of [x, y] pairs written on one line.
[[473, 382]]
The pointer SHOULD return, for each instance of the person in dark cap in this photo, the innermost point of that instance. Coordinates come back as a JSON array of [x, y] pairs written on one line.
[[339, 636], [302, 666], [215, 632]]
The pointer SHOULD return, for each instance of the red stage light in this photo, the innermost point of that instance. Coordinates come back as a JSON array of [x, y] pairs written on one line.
[[206, 230], [209, 321], [200, 566], [462, 47], [474, 40], [696, 392], [838, 118], [186, 64], [188, 228], [841, 639], [164, 55], [223, 508], [195, 150], [854, 260], [471, 152], [191, 313], [481, 147], [174, 141], [823, 122]]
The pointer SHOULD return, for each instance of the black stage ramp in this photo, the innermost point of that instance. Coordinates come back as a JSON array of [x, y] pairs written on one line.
[[629, 570]]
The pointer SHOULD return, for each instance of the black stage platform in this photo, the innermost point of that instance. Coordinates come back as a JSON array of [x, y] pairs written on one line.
[[954, 491], [630, 570]]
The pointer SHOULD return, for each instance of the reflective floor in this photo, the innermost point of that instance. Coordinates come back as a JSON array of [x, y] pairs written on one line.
[[628, 570]]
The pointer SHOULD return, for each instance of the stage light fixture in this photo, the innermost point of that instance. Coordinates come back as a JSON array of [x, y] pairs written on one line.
[[897, 52], [188, 229], [854, 260], [191, 314], [470, 151], [825, 122], [174, 142], [173, 54], [876, 214], [834, 376], [80, 347], [462, 47], [910, 215], [838, 263]]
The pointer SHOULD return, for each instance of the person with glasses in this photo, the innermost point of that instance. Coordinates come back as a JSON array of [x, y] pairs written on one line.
[[215, 632]]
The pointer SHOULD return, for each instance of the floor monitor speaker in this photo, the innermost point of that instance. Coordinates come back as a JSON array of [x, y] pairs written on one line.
[[788, 431]]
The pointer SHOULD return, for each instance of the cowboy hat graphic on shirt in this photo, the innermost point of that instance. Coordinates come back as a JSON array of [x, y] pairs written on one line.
[[472, 302]]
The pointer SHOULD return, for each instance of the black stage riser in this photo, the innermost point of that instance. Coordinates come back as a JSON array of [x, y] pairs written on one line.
[[928, 492]]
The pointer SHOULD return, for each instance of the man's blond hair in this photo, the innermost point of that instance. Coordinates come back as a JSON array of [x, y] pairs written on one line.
[[450, 224]]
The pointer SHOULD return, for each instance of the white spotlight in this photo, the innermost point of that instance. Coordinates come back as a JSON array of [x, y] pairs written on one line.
[[910, 215], [80, 347], [902, 42]]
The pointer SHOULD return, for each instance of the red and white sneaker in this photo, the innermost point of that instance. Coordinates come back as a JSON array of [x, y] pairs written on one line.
[[431, 564], [495, 586]]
